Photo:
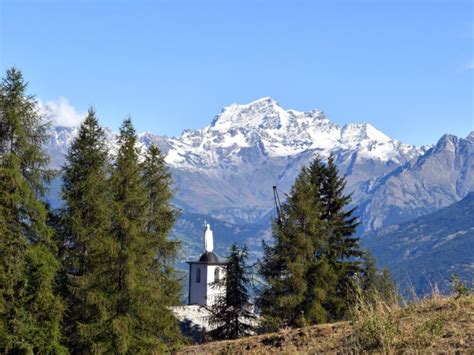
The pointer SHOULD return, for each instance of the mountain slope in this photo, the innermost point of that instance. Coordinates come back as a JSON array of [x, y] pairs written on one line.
[[428, 249], [433, 326], [442, 176]]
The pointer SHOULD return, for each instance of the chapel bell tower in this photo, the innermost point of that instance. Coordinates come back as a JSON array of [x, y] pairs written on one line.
[[202, 273]]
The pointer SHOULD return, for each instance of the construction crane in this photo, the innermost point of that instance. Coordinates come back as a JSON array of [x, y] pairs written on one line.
[[277, 204]]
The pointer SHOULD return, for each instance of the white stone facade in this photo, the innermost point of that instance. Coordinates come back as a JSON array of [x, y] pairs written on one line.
[[201, 277]]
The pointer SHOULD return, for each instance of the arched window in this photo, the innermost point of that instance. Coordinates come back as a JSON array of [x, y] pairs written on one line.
[[198, 275], [216, 274]]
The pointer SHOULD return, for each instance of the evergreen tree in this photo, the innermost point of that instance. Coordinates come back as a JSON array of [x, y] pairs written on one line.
[[344, 250], [140, 322], [231, 314], [340, 222], [159, 273], [368, 279], [86, 246], [375, 283], [386, 285], [30, 312], [309, 268], [321, 277], [286, 263]]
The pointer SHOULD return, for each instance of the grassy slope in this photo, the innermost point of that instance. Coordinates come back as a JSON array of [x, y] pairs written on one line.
[[429, 326]]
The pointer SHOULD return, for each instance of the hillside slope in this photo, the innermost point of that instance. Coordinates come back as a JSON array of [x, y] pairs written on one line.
[[431, 326]]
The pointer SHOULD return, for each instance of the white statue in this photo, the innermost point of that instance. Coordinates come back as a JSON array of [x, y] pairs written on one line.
[[208, 239]]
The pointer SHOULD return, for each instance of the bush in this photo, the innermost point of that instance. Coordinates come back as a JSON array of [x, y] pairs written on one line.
[[375, 327], [460, 289]]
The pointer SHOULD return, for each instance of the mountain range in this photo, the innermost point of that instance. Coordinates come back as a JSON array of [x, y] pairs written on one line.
[[225, 171]]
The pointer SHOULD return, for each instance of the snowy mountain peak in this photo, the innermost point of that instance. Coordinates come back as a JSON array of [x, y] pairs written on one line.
[[227, 168], [263, 128], [255, 113], [267, 100], [264, 113], [362, 131]]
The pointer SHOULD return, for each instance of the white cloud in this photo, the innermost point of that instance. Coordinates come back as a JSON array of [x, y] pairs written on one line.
[[61, 113]]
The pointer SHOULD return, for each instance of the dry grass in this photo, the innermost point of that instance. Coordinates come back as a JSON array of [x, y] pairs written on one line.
[[315, 339], [428, 325], [431, 325]]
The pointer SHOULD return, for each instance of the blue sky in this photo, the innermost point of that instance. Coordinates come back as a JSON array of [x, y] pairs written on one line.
[[404, 66]]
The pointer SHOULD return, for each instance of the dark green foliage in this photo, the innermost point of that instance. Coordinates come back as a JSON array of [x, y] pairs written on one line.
[[375, 284], [129, 207], [309, 269], [159, 253], [116, 275], [86, 247], [161, 216], [286, 263], [340, 223], [140, 321], [231, 314], [30, 312]]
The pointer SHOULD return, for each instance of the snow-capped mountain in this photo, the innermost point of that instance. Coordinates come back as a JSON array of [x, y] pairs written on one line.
[[278, 133], [227, 169], [264, 124]]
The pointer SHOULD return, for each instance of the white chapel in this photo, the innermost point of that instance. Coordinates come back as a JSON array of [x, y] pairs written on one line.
[[202, 273]]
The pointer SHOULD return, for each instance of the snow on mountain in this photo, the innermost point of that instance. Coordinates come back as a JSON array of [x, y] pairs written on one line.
[[59, 141], [279, 133], [263, 123], [227, 168]]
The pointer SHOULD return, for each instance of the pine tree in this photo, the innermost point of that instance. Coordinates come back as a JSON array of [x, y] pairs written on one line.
[[231, 314], [286, 262], [386, 285], [309, 268], [160, 275], [86, 246], [375, 283], [321, 276], [369, 270], [341, 223], [30, 312], [344, 251], [140, 322]]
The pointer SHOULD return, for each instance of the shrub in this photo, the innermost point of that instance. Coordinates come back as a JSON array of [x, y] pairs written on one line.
[[460, 289], [375, 327]]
